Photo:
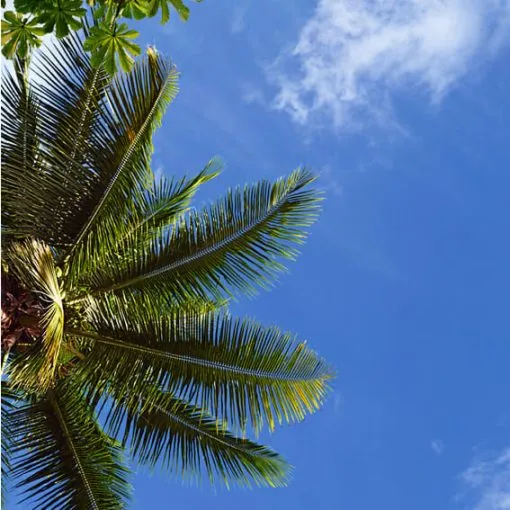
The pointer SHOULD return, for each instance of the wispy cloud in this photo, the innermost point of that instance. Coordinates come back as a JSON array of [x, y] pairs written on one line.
[[437, 446], [352, 56], [486, 483], [338, 403], [252, 94], [330, 183]]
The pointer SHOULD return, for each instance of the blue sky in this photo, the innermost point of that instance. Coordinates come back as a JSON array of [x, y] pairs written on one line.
[[403, 285], [404, 282]]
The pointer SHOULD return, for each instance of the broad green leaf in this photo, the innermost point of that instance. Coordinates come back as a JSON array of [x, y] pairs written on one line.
[[19, 35], [62, 17], [111, 45], [181, 9], [156, 5], [30, 6], [136, 9]]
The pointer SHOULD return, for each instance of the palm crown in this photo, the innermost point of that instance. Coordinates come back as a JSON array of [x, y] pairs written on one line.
[[115, 331]]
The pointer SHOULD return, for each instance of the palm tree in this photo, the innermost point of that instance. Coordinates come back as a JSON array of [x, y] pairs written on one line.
[[115, 332]]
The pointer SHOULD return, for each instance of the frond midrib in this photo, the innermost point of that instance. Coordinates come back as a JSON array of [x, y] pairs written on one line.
[[91, 90], [68, 437], [252, 373], [216, 438], [141, 132], [215, 247]]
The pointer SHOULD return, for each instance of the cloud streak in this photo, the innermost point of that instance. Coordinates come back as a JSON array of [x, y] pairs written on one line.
[[487, 482], [352, 56], [437, 446]]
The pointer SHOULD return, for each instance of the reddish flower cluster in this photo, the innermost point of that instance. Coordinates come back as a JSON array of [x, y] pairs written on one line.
[[21, 314]]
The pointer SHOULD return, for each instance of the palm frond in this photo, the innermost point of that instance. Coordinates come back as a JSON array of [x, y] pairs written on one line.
[[68, 126], [186, 441], [137, 101], [153, 210], [74, 126], [33, 263], [9, 398], [235, 244], [19, 153], [238, 370], [166, 200], [62, 458]]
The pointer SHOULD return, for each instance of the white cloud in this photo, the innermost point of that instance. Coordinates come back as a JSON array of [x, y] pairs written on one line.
[[353, 55], [437, 446], [487, 482]]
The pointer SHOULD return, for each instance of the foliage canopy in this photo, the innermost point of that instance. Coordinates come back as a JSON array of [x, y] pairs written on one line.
[[111, 41], [116, 336]]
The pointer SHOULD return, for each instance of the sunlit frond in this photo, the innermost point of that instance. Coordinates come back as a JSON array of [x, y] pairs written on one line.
[[137, 101], [234, 244], [154, 209], [236, 369], [33, 263]]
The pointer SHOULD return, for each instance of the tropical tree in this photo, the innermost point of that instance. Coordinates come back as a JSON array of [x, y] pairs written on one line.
[[115, 331], [110, 41]]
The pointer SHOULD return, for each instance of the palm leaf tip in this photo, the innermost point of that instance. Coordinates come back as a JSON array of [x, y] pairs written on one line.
[[236, 244], [245, 372], [188, 441]]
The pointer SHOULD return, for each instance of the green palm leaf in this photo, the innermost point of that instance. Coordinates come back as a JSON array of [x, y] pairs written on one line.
[[9, 398], [237, 369], [186, 441], [137, 101], [153, 210], [234, 243], [114, 292], [19, 153], [53, 135], [61, 456]]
